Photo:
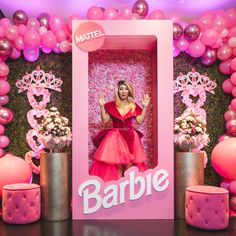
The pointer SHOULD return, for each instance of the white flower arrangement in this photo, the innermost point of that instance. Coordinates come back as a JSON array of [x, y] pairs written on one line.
[[54, 131], [190, 130]]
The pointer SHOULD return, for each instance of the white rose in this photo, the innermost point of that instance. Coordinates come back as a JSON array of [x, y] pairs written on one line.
[[50, 126], [199, 129], [184, 125]]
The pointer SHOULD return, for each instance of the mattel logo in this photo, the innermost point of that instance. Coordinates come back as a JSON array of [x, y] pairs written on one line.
[[89, 36]]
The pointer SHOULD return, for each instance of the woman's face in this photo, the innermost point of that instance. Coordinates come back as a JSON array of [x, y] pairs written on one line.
[[123, 92]]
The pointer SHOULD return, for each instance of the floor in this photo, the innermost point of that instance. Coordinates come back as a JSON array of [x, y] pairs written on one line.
[[112, 228]]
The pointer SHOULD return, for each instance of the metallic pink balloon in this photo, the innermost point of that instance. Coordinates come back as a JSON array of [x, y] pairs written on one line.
[[231, 127], [209, 57], [20, 17], [191, 32], [43, 19], [141, 8], [232, 202], [177, 31], [6, 47], [6, 116]]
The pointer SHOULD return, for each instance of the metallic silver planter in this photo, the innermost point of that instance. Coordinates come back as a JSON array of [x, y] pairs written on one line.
[[54, 182], [189, 170]]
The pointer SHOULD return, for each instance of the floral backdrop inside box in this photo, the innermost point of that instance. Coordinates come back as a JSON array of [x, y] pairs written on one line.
[[106, 68]]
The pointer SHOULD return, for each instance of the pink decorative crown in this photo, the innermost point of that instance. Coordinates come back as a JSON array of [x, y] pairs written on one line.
[[39, 79], [193, 80]]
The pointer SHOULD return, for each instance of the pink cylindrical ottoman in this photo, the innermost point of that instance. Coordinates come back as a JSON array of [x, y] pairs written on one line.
[[21, 203], [207, 207]]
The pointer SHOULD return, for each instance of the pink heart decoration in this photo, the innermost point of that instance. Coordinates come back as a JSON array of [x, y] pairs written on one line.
[[32, 142], [38, 92], [33, 114], [28, 158]]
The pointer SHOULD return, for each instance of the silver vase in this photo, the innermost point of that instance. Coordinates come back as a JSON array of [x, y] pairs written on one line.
[[189, 170], [54, 182]]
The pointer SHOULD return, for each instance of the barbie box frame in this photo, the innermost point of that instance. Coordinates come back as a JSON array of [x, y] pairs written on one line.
[[146, 195]]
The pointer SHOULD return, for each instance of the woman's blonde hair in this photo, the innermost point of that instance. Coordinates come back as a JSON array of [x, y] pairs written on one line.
[[130, 96]]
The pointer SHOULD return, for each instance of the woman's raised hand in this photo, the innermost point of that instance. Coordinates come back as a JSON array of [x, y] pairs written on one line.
[[145, 100], [101, 99]]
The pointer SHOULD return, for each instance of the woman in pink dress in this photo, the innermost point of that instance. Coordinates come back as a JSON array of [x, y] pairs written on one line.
[[120, 147]]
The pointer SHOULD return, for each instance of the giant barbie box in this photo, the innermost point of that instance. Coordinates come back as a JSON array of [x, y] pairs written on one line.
[[140, 52]]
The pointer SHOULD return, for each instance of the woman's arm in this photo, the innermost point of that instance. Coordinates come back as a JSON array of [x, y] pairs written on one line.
[[104, 115], [145, 103]]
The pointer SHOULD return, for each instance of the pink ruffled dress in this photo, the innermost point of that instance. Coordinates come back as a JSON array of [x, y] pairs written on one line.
[[119, 145]]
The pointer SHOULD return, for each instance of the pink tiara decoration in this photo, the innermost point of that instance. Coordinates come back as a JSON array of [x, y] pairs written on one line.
[[194, 84], [39, 79]]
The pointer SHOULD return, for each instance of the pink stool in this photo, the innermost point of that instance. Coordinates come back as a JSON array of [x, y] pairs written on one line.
[[21, 203], [207, 207]]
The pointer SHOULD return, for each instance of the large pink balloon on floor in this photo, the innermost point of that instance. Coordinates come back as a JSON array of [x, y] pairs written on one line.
[[223, 158], [13, 169]]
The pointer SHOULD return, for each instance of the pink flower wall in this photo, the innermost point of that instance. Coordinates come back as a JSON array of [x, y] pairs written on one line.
[[106, 68]]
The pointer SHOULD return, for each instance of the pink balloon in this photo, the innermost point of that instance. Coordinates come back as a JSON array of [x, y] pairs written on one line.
[[192, 31], [56, 22], [225, 68], [209, 56], [225, 184], [4, 70], [42, 30], [156, 15], [230, 17], [182, 44], [31, 38], [205, 22], [227, 86], [234, 51], [31, 54], [231, 127], [133, 16], [69, 23], [4, 87], [196, 48], [125, 11], [233, 64], [224, 33], [4, 100], [219, 23], [232, 32], [95, 13], [209, 36], [177, 31], [224, 52], [11, 32], [110, 14], [5, 22], [14, 170], [233, 78], [21, 29], [56, 48], [49, 39], [15, 54], [19, 43], [232, 203], [141, 8], [4, 141], [6, 47], [33, 23], [230, 115], [232, 42], [223, 158], [43, 19], [46, 50], [2, 129], [219, 43], [1, 32], [60, 35], [6, 115], [233, 104], [64, 46], [223, 137], [232, 187]]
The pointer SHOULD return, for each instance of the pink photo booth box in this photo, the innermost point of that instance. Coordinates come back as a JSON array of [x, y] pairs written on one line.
[[146, 195]]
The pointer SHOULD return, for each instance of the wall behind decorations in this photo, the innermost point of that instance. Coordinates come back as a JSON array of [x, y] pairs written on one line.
[[61, 66]]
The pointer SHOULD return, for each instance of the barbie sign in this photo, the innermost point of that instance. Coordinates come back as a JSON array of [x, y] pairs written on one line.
[[122, 120]]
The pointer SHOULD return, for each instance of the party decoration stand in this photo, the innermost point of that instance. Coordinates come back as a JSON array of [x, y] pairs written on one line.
[[37, 84]]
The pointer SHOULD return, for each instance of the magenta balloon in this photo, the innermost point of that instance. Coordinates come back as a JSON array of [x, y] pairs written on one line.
[[110, 14], [177, 31], [4, 87], [6, 115], [33, 23], [11, 32], [4, 100], [60, 35], [219, 23], [14, 170], [31, 38], [49, 39], [21, 30], [232, 32], [69, 22], [182, 44], [4, 70], [230, 115], [223, 158], [227, 86], [4, 141], [225, 68], [43, 19], [233, 104], [56, 22], [224, 52], [64, 46], [157, 15], [94, 13], [191, 32], [2, 129], [125, 11], [209, 36], [20, 17], [209, 56], [141, 8], [15, 54], [231, 127], [205, 22], [19, 43], [196, 48], [6, 47], [31, 54], [233, 78], [232, 202], [232, 187], [233, 64], [230, 17]]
